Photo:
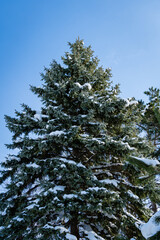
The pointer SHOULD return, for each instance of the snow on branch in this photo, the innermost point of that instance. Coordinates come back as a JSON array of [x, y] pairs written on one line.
[[130, 102], [146, 161], [88, 85]]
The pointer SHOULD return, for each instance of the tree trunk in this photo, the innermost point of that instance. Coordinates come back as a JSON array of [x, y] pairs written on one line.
[[74, 226], [154, 207], [153, 204]]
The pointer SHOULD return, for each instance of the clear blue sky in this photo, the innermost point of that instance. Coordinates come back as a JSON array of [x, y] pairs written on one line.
[[124, 34]]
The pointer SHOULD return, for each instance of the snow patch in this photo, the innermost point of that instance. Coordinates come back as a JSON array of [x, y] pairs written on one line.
[[150, 228], [131, 194], [65, 230], [57, 188], [110, 181], [70, 236], [96, 189], [69, 196], [72, 162], [130, 102], [98, 141], [57, 133], [39, 116], [78, 85], [56, 84], [88, 85], [34, 165], [48, 226], [93, 236], [18, 219], [150, 162], [61, 229]]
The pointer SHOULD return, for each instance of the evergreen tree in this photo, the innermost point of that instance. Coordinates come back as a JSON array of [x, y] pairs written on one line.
[[151, 119], [150, 125], [80, 171]]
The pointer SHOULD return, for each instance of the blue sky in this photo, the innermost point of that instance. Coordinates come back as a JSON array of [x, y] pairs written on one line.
[[125, 35]]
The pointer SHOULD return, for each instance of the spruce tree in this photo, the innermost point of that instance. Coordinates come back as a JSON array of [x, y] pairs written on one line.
[[80, 171], [150, 125], [151, 119]]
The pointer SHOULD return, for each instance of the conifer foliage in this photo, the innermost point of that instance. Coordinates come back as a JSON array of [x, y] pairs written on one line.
[[151, 119], [150, 126], [80, 168]]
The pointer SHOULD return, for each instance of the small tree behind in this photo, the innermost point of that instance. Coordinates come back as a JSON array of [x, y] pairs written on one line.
[[151, 118], [150, 125]]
